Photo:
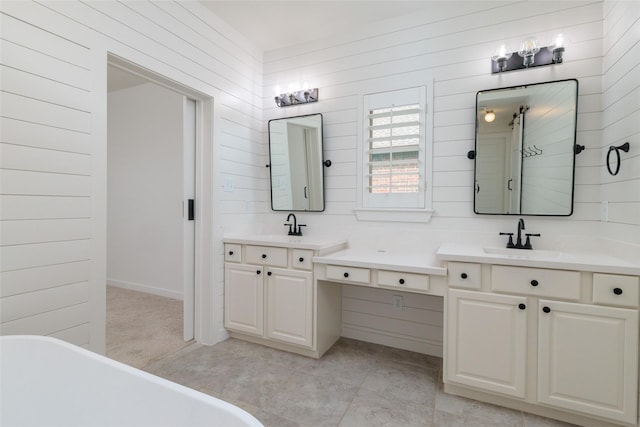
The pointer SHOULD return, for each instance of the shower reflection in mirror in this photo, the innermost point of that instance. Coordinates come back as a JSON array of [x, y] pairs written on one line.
[[524, 157]]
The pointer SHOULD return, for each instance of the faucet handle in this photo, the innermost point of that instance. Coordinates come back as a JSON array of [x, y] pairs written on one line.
[[290, 232], [527, 243], [300, 228], [510, 243]]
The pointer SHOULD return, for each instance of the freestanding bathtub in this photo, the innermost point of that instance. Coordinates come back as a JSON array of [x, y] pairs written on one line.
[[48, 382]]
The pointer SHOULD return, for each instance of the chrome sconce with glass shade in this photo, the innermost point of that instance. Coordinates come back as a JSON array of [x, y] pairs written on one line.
[[295, 95], [529, 54]]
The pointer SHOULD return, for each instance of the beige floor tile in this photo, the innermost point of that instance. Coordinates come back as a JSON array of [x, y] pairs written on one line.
[[408, 382], [370, 408], [356, 384], [312, 400]]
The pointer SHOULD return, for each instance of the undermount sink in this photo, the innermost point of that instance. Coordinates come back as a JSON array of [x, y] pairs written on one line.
[[525, 253]]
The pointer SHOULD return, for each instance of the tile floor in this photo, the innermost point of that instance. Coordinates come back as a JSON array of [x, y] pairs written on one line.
[[355, 384]]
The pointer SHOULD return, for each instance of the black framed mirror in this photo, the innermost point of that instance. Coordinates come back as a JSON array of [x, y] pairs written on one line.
[[296, 163], [524, 149]]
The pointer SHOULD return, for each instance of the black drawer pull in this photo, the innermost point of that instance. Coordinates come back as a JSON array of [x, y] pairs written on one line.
[[230, 253], [268, 273], [522, 306], [258, 272], [346, 274], [301, 259], [534, 283], [546, 309], [401, 281], [464, 275], [617, 291], [264, 256]]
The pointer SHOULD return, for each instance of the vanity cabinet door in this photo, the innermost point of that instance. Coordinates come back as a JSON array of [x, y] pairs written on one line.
[[487, 341], [587, 359], [290, 306], [243, 298]]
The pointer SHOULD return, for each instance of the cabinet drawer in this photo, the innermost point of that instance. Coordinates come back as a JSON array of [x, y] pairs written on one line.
[[232, 253], [348, 274], [399, 279], [301, 259], [536, 281], [266, 255], [613, 289], [464, 275]]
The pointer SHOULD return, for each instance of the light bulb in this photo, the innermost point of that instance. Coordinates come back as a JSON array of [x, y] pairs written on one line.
[[489, 116], [305, 85], [528, 49], [291, 88], [557, 47], [501, 56]]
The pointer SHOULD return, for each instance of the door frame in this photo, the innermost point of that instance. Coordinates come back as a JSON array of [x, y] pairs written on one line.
[[204, 316]]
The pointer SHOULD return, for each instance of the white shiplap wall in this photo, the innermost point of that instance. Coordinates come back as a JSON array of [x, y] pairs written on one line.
[[621, 117], [450, 44], [53, 82]]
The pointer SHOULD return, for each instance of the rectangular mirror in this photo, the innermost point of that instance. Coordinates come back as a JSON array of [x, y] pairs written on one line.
[[524, 151], [296, 163]]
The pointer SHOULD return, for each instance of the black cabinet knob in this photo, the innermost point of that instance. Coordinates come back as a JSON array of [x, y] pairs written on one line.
[[401, 281], [268, 273], [346, 274], [522, 306], [546, 309], [264, 256], [301, 259], [534, 283], [258, 272], [464, 275], [230, 253], [617, 291]]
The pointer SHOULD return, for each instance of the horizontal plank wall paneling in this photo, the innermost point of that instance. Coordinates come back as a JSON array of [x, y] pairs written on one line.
[[51, 144], [368, 314], [621, 118], [452, 44]]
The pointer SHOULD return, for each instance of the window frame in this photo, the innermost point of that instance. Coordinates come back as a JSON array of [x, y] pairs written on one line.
[[394, 206]]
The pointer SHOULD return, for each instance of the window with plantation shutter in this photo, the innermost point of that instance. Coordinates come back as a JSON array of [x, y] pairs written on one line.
[[394, 152]]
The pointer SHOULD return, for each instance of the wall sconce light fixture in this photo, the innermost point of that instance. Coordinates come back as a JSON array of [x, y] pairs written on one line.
[[532, 54], [294, 96]]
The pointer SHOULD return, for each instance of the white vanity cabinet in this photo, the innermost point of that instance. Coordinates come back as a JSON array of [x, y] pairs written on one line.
[[289, 306], [244, 298], [587, 359], [560, 343], [271, 297], [487, 341]]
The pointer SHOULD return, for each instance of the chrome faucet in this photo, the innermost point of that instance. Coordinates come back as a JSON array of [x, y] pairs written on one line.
[[297, 228]]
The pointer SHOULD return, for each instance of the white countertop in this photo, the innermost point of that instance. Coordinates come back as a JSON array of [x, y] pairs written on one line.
[[574, 260], [285, 241], [410, 262]]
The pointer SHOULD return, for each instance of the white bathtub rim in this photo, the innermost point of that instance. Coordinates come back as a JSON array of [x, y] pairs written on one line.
[[243, 415]]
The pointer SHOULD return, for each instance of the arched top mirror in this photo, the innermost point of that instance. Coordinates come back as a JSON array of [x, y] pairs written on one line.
[[524, 151], [296, 163]]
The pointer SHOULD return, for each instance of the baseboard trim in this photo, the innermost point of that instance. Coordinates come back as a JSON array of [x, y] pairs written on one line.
[[145, 288]]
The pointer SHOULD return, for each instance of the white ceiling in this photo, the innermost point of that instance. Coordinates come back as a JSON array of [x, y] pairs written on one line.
[[277, 24]]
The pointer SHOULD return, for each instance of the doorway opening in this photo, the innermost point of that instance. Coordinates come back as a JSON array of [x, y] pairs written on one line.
[[153, 214]]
